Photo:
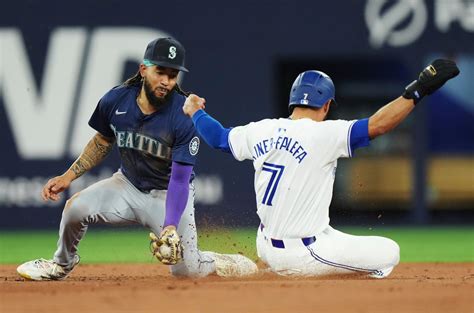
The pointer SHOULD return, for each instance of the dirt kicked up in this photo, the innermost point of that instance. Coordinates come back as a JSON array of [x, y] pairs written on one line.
[[412, 287]]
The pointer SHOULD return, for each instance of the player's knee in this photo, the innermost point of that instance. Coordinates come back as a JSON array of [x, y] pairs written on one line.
[[179, 271], [393, 251], [75, 210], [185, 270], [194, 264]]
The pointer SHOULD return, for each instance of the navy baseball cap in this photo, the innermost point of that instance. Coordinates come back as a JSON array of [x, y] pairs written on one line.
[[166, 52]]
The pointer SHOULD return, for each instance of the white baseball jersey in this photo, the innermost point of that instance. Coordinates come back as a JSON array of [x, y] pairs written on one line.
[[295, 164]]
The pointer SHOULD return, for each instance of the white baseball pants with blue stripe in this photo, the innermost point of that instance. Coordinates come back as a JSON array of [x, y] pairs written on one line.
[[333, 252]]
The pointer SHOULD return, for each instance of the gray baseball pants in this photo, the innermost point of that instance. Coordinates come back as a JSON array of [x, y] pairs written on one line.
[[116, 201]]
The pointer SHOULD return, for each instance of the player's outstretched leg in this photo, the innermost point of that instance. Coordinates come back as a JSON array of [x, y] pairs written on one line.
[[337, 252], [102, 202], [330, 252], [66, 258]]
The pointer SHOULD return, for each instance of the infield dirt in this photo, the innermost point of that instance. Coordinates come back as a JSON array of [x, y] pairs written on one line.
[[412, 287]]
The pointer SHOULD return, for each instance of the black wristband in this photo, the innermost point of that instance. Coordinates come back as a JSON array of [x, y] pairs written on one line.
[[413, 91]]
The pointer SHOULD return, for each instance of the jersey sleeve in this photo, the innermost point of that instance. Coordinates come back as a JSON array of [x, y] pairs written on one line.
[[348, 136], [240, 142], [186, 145], [100, 119], [359, 136], [212, 131]]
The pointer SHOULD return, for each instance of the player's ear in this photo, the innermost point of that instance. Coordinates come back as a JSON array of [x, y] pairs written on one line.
[[142, 69], [326, 106]]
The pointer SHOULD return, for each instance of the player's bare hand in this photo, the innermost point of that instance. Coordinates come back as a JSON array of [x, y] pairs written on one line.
[[55, 186], [193, 104]]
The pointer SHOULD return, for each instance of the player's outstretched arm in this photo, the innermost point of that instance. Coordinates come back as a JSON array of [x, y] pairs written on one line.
[[94, 152], [178, 191], [430, 79], [389, 116], [213, 133], [167, 246]]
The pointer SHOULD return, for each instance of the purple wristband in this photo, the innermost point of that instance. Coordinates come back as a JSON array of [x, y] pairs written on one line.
[[178, 192]]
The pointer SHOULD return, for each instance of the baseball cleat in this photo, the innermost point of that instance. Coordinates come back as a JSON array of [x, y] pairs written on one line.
[[381, 273], [233, 265], [42, 269]]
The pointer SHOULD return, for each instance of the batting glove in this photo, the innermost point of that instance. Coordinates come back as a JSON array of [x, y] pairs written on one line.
[[431, 79]]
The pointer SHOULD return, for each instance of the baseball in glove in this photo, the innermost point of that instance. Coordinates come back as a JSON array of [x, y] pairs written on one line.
[[167, 247]]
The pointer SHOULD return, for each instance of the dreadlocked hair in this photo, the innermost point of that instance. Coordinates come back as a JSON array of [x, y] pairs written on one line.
[[134, 80], [178, 89]]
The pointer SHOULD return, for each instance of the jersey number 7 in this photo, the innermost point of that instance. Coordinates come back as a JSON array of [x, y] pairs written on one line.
[[277, 172]]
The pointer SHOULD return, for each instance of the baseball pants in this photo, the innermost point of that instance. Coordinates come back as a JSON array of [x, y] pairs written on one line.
[[115, 201], [329, 252]]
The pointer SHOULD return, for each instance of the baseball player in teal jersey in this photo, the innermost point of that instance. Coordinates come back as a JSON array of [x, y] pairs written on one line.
[[295, 160], [158, 146]]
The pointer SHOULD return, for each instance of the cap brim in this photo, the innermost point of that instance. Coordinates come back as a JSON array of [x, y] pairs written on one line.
[[169, 65]]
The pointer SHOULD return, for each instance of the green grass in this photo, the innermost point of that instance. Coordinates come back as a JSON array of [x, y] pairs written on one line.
[[434, 244], [440, 244]]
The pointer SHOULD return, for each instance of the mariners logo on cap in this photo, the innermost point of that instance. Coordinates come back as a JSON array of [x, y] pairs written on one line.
[[194, 146], [172, 52]]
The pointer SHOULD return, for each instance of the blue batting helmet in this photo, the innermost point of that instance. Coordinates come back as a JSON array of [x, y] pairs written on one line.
[[312, 89]]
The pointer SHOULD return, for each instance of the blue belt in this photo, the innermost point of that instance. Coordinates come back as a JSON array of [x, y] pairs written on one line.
[[278, 243]]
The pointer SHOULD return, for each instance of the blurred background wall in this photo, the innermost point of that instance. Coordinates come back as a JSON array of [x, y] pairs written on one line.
[[57, 58]]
